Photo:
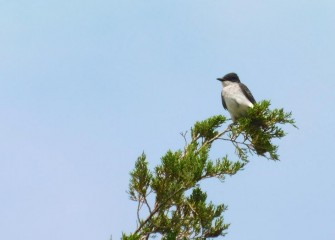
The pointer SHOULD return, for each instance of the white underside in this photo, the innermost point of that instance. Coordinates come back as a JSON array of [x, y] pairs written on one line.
[[236, 102]]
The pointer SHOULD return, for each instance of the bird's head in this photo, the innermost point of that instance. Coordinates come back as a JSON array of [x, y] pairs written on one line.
[[230, 77]]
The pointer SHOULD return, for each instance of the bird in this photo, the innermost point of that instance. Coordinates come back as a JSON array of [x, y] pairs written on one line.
[[236, 97]]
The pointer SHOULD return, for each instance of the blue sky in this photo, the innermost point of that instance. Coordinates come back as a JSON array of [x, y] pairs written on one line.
[[86, 86]]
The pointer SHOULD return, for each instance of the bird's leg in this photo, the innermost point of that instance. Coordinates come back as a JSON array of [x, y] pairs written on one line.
[[230, 128]]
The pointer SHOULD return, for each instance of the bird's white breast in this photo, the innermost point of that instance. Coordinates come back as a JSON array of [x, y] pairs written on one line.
[[237, 103]]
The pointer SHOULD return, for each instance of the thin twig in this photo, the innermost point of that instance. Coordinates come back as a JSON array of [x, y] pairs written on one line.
[[156, 209], [146, 202], [138, 210], [215, 138]]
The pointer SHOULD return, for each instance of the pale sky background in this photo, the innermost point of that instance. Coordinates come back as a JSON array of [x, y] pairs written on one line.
[[86, 86]]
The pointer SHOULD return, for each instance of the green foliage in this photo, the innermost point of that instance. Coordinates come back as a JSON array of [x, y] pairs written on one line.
[[260, 127], [140, 179], [207, 129], [131, 237], [176, 205]]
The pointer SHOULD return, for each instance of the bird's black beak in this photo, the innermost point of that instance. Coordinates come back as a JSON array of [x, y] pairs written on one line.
[[220, 79]]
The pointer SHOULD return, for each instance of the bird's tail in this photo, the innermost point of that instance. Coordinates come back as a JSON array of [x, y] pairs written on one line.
[[260, 142], [261, 146]]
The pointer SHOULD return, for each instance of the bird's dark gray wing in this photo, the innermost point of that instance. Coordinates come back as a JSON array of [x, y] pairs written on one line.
[[247, 93], [223, 102]]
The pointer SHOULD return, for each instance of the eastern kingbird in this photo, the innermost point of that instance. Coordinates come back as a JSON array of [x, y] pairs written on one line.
[[235, 96]]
